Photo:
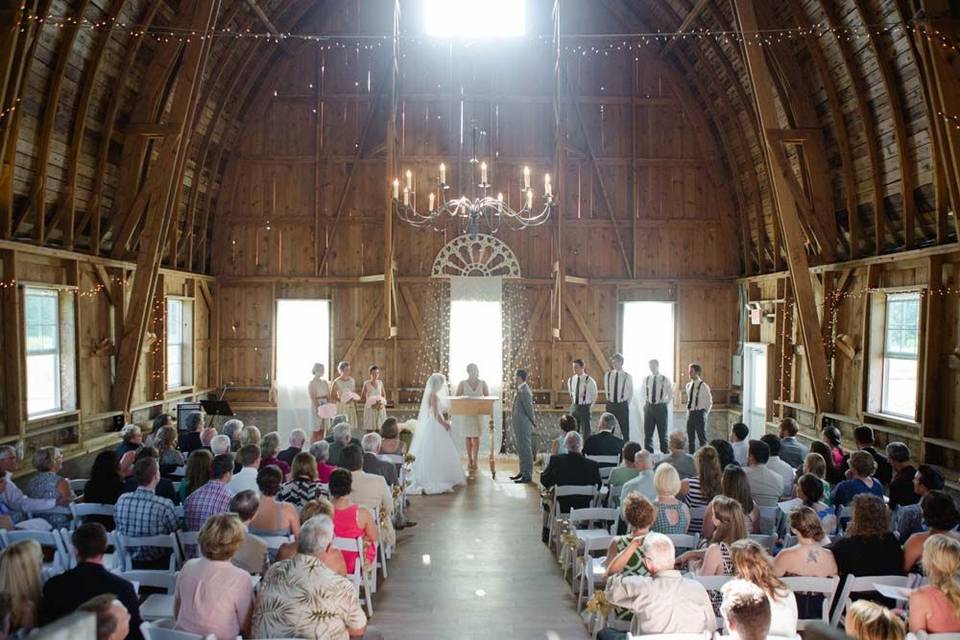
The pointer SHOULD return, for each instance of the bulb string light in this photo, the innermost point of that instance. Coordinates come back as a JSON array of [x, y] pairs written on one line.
[[83, 293]]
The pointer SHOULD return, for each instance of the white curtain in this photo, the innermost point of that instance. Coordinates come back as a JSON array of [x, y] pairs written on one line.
[[303, 339], [476, 336]]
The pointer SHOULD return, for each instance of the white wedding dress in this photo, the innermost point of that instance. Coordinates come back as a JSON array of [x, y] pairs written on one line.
[[437, 467]]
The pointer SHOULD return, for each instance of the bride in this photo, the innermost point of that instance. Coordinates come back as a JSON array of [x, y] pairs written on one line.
[[437, 466]]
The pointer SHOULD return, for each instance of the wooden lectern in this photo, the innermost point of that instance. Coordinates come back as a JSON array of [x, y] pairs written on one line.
[[478, 406]]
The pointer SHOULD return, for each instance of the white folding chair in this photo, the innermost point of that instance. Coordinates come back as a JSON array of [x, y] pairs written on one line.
[[769, 516], [611, 461], [827, 587], [713, 583], [82, 510], [613, 494], [605, 473], [717, 636], [923, 635], [78, 485], [594, 568], [360, 578], [50, 539], [274, 542], [127, 544], [590, 517], [685, 541], [671, 636], [63, 511], [767, 541], [398, 462], [566, 491], [157, 606], [111, 561], [153, 631], [381, 561], [863, 584], [189, 542]]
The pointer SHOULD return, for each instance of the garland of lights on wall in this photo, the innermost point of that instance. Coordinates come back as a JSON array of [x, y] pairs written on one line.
[[434, 353]]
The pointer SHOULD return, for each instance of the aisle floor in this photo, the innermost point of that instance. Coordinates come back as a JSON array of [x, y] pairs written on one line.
[[474, 569]]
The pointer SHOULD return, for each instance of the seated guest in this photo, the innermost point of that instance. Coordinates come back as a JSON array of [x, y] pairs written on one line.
[[567, 424], [603, 442], [197, 473], [792, 451], [212, 595], [334, 611], [775, 463], [143, 513], [643, 483], [321, 453], [21, 566], [166, 445], [189, 440], [220, 445], [352, 521], [724, 452], [571, 468], [752, 563], [901, 486], [295, 441], [810, 494], [207, 434], [249, 458], [14, 500], [303, 485], [252, 554], [700, 489], [165, 488], [250, 435], [113, 619], [815, 465], [941, 516], [908, 519], [333, 558], [869, 549], [862, 466], [831, 437], [369, 490], [665, 602], [64, 593], [273, 518], [808, 558], [678, 456], [232, 428], [766, 485], [269, 445], [673, 516], [740, 441], [935, 608], [341, 438], [746, 610], [392, 444], [104, 486], [160, 421], [373, 464], [728, 524], [870, 621], [863, 438], [627, 469], [623, 556], [131, 439], [832, 473], [733, 484], [212, 498], [48, 484]]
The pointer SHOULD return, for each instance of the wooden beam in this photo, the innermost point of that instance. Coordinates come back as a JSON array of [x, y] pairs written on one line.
[[413, 310], [584, 328], [930, 366], [265, 19], [390, 170], [106, 281], [688, 20], [14, 378], [761, 80], [362, 333]]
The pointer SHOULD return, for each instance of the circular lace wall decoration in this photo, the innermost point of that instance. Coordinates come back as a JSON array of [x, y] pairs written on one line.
[[479, 255]]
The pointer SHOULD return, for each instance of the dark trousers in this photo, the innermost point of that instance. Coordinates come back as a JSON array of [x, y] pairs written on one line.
[[621, 411], [655, 418], [582, 413], [696, 428]]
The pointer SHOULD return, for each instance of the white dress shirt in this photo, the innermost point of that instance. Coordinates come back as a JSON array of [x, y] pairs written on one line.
[[244, 479], [618, 386], [698, 396], [14, 499], [741, 449], [659, 393], [786, 471], [587, 388]]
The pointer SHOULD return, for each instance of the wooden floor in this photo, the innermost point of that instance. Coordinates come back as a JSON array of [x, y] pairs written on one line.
[[474, 568]]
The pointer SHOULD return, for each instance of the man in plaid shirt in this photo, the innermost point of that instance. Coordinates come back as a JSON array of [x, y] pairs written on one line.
[[213, 497], [143, 513]]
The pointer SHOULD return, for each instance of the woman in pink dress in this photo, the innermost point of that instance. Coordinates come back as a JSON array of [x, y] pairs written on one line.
[[350, 521]]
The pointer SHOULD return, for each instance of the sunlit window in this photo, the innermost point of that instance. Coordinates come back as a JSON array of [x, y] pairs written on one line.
[[50, 350], [900, 355], [179, 343], [476, 337], [647, 335], [475, 18]]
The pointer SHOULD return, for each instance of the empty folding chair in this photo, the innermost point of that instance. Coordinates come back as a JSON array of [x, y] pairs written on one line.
[[381, 561], [769, 517], [684, 541], [864, 584], [189, 542], [127, 545], [582, 525], [153, 631], [566, 491], [157, 606], [593, 570], [360, 578], [825, 587]]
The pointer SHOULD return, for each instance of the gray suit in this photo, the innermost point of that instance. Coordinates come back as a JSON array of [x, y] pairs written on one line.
[[522, 422]]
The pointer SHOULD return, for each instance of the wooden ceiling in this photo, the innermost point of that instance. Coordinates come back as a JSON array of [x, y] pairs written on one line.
[[91, 116]]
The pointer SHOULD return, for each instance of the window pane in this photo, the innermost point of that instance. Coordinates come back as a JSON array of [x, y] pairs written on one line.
[[900, 387], [43, 377], [41, 321]]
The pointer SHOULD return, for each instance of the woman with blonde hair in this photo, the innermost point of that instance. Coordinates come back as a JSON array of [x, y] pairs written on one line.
[[319, 390], [701, 488], [250, 434], [166, 443], [673, 516], [21, 566], [345, 394], [935, 608], [868, 620], [729, 525], [752, 563], [303, 485]]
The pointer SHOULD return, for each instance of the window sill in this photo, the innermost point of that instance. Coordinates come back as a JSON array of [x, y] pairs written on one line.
[[178, 390], [906, 422], [51, 416]]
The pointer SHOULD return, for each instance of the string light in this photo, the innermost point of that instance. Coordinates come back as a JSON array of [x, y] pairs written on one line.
[[83, 293]]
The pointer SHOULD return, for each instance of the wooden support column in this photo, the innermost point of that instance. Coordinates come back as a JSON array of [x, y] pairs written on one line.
[[14, 381], [930, 391], [786, 207], [389, 288], [158, 190]]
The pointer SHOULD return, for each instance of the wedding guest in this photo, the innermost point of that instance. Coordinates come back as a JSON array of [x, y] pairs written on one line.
[[196, 474], [220, 445], [252, 554], [345, 394], [105, 484], [332, 558], [673, 516], [47, 484], [792, 451], [350, 520], [131, 439], [372, 463], [810, 494], [941, 516], [733, 484], [725, 452], [370, 491], [11, 496], [868, 549], [831, 436], [627, 469], [213, 497], [935, 608], [165, 488], [246, 479], [870, 621], [296, 440], [624, 556], [303, 485], [166, 445], [567, 424], [374, 399], [699, 403], [20, 576], [808, 558], [766, 485], [571, 468], [142, 513], [832, 473], [189, 440], [701, 488], [269, 445], [250, 434], [863, 438], [751, 562], [901, 486], [603, 442], [341, 439], [728, 524], [678, 456], [746, 610], [863, 466], [212, 595], [776, 464], [392, 444], [231, 429], [643, 484], [273, 518], [321, 453], [657, 390], [740, 441], [815, 465], [618, 390], [112, 618], [160, 421], [909, 518]]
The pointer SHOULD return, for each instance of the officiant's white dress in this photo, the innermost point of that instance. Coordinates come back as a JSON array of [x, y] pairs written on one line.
[[437, 467]]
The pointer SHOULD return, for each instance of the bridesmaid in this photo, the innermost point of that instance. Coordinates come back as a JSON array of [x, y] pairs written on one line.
[[472, 426], [375, 401], [319, 390], [345, 394]]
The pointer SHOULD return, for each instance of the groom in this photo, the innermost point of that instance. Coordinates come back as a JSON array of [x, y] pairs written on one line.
[[523, 427]]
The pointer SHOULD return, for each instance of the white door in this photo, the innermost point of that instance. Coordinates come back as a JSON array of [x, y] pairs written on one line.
[[755, 388]]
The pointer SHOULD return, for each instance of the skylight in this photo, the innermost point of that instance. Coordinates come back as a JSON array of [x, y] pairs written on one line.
[[475, 18]]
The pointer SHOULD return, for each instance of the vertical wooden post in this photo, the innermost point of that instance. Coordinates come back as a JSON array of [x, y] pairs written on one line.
[[929, 400], [15, 384], [388, 272]]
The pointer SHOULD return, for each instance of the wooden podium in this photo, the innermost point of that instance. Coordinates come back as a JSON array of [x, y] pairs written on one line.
[[478, 406]]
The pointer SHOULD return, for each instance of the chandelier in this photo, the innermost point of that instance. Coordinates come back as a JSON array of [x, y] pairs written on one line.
[[479, 209]]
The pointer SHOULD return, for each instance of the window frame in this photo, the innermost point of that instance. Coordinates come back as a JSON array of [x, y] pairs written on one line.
[[187, 314], [65, 352], [880, 353]]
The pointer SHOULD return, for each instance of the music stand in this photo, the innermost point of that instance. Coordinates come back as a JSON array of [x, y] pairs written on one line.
[[477, 406], [216, 408]]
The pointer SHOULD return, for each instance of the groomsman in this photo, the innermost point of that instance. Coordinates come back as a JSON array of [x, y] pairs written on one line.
[[699, 402], [523, 422], [618, 387], [583, 393], [657, 395]]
